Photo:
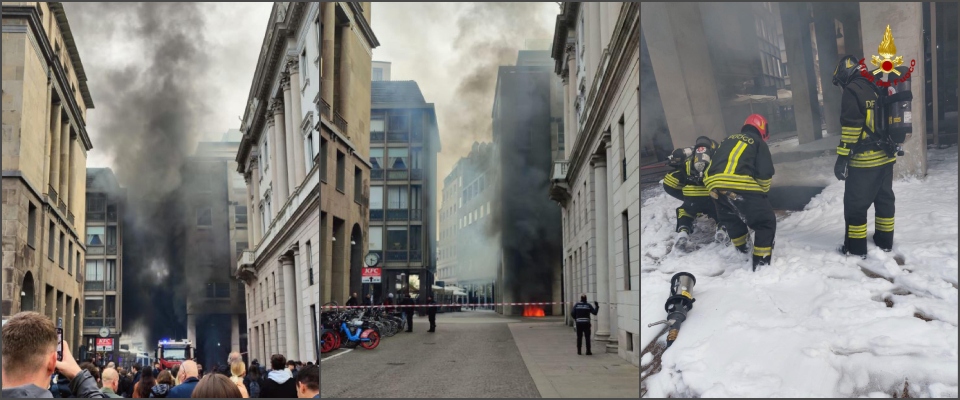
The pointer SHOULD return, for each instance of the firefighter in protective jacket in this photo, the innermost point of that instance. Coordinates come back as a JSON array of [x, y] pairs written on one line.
[[738, 179], [674, 181], [863, 162]]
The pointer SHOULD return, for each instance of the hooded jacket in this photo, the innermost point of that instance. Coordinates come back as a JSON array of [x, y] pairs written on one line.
[[279, 385]]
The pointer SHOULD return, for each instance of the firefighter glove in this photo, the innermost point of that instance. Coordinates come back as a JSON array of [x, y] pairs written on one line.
[[840, 168]]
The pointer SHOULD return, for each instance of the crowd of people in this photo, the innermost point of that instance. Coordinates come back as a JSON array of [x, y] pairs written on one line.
[[31, 370]]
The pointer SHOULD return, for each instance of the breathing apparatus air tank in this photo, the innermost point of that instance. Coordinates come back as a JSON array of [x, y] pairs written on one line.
[[899, 118]]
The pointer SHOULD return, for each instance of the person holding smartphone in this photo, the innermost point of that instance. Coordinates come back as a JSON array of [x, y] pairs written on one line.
[[30, 358]]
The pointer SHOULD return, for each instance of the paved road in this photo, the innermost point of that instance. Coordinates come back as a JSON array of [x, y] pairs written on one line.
[[472, 354]]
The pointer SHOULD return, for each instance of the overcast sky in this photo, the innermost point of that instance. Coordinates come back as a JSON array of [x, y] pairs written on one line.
[[453, 50], [113, 37]]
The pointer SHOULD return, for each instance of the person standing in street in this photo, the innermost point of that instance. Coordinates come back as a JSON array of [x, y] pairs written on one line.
[[408, 310], [432, 313], [581, 314], [353, 301]]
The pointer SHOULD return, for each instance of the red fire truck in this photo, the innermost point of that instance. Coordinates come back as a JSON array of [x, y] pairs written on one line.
[[174, 352]]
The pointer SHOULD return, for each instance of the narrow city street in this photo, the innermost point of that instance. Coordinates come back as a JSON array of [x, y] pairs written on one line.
[[478, 354]]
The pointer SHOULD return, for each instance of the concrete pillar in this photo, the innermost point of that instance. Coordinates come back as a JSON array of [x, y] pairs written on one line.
[[592, 36], [301, 313], [907, 29], [234, 332], [796, 38], [291, 326], [299, 169], [326, 49], [255, 202], [62, 125], [680, 58], [289, 135], [192, 328], [850, 18], [603, 267], [72, 174], [823, 14], [605, 26], [52, 144], [612, 269], [280, 188], [65, 167]]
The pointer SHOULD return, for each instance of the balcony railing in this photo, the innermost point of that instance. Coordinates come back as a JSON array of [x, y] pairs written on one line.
[[324, 108], [397, 174], [63, 207], [397, 255], [100, 286], [376, 174], [376, 215], [52, 193], [416, 255], [96, 322], [112, 215], [112, 249], [377, 136], [417, 137], [560, 170], [415, 215], [397, 137], [95, 250], [397, 215], [416, 174], [70, 218], [95, 216], [340, 123]]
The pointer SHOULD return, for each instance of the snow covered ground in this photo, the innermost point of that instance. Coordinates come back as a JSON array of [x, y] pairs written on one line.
[[815, 323]]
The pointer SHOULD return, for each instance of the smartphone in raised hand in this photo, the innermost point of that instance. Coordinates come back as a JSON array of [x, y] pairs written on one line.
[[59, 339]]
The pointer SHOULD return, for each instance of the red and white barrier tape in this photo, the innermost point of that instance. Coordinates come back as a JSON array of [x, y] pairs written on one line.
[[454, 305]]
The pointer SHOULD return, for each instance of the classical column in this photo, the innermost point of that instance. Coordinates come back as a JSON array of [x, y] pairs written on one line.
[[290, 306], [296, 118], [301, 317], [72, 173], [61, 125], [611, 257], [288, 134], [571, 126], [250, 213], [65, 150], [53, 143], [326, 81], [255, 202], [280, 189], [603, 283]]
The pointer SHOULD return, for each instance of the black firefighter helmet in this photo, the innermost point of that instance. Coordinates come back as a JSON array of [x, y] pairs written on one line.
[[848, 69], [710, 144]]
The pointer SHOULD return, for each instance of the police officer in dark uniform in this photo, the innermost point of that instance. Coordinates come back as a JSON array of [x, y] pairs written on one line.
[[432, 313], [581, 314], [865, 161], [408, 311], [738, 178]]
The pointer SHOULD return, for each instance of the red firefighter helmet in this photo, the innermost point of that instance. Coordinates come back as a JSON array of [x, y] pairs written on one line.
[[760, 123]]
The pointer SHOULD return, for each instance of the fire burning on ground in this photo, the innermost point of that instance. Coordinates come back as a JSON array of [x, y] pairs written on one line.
[[533, 311]]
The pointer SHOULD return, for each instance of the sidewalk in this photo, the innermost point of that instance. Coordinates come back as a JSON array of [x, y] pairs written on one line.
[[549, 350]]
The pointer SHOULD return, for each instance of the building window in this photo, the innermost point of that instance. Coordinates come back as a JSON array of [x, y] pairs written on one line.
[[376, 238], [415, 197], [112, 212], [626, 250], [415, 238], [377, 74], [50, 241], [263, 220], [623, 152], [310, 263], [323, 159], [341, 171], [110, 275], [94, 273], [241, 246], [265, 159], [70, 259], [240, 216], [398, 123], [376, 125], [397, 238], [358, 185], [376, 157], [32, 225], [376, 197], [93, 306], [397, 157], [111, 236], [204, 217], [62, 244], [416, 159], [275, 283], [94, 235], [397, 197]]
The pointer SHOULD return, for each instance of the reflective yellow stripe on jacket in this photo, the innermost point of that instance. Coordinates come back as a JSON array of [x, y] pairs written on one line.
[[672, 181], [695, 191], [730, 180]]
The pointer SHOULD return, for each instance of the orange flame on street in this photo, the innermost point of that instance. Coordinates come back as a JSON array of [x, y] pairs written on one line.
[[533, 311]]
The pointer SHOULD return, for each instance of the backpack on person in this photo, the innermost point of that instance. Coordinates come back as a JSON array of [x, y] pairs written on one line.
[[254, 389]]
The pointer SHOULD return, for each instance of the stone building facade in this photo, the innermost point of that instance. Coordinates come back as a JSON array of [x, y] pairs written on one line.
[[45, 145], [347, 42], [597, 52], [279, 159]]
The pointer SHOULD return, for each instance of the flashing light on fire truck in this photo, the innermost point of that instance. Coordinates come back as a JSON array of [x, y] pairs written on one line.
[[171, 353]]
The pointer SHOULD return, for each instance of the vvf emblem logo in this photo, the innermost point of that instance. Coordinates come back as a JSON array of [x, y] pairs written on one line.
[[886, 63]]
